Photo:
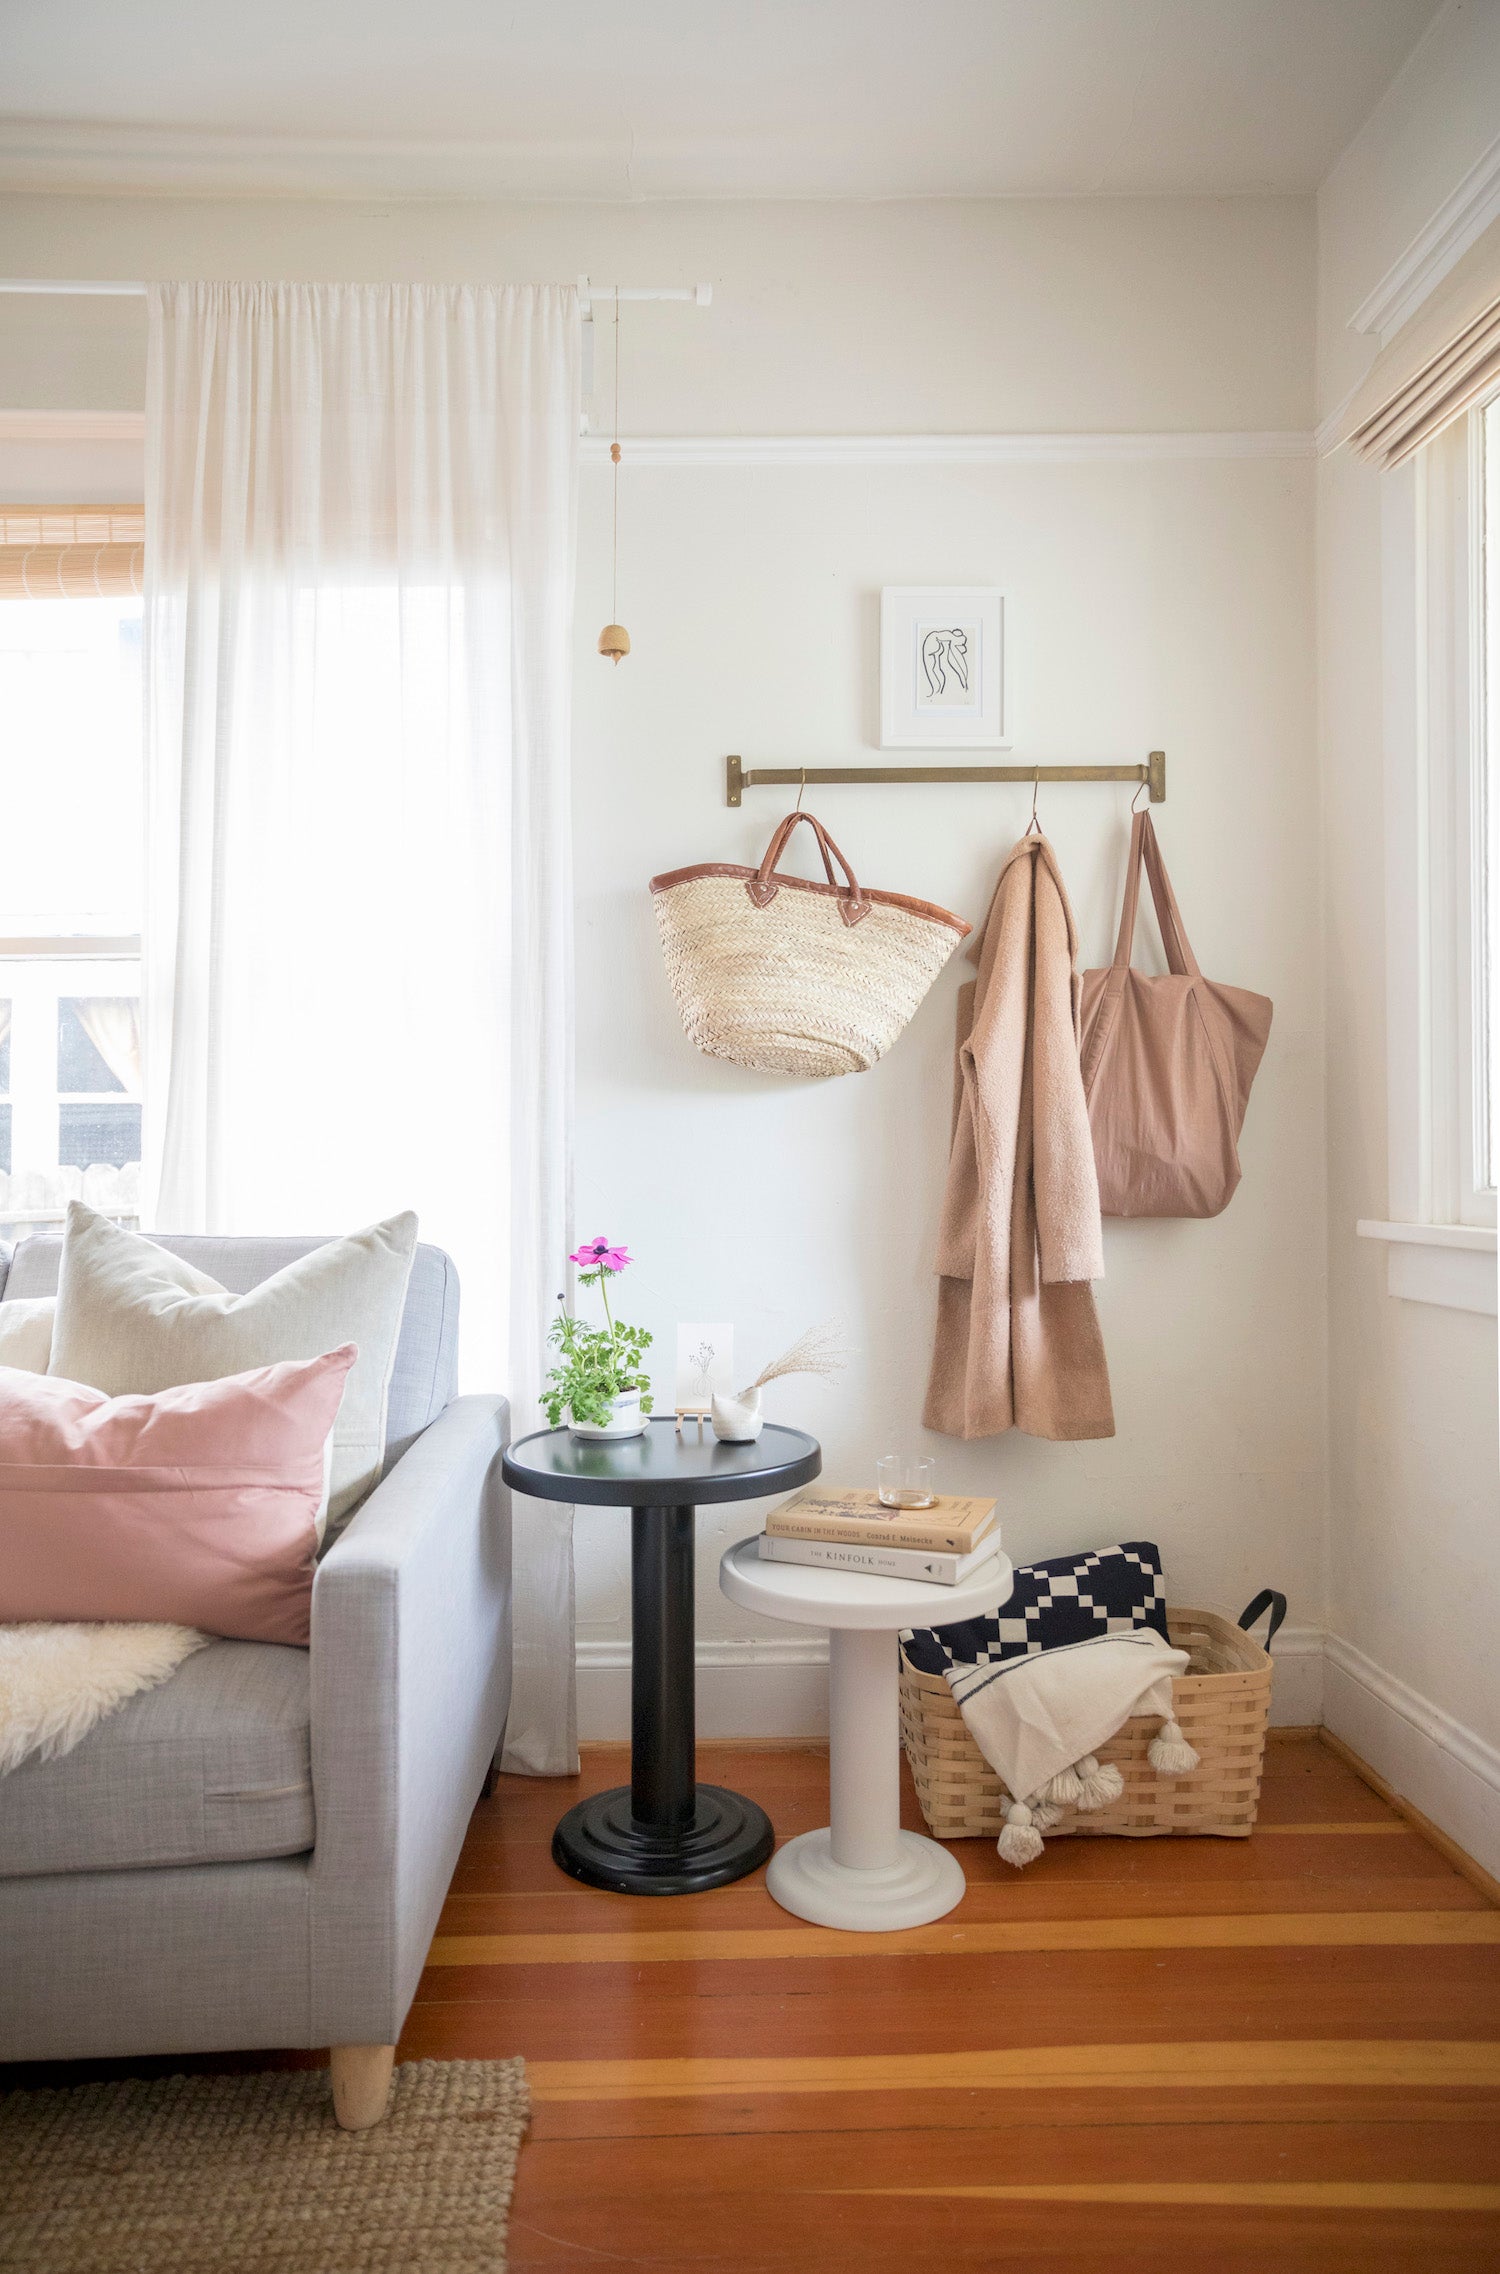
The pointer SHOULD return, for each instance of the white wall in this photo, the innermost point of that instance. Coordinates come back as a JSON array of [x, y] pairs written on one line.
[[1152, 603], [1148, 604], [1414, 1575]]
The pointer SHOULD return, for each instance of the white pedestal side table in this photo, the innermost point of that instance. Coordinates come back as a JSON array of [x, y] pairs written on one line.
[[861, 1871]]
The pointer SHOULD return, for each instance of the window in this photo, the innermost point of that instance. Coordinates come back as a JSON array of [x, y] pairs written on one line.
[[70, 893], [1442, 795], [1486, 821]]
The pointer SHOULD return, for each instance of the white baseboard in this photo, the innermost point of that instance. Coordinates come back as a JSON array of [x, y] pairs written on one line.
[[772, 1689], [778, 1688], [1297, 1689], [1440, 1766]]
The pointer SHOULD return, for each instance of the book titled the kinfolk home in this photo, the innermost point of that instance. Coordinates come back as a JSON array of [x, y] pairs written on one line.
[[953, 1525]]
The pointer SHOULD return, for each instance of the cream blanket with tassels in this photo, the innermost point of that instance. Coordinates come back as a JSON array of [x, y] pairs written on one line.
[[58, 1679], [1039, 1721]]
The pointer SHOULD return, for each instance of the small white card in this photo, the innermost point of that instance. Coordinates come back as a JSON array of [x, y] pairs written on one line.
[[705, 1364]]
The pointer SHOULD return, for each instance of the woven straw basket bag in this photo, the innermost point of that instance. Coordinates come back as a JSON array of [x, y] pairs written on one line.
[[1221, 1704], [793, 977]]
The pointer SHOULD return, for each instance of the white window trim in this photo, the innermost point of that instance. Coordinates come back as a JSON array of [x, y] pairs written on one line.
[[1440, 1230]]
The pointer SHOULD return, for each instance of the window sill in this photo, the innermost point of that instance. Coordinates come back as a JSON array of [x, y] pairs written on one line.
[[1450, 1264]]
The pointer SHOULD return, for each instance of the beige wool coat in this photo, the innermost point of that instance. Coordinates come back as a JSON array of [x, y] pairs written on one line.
[[1018, 1341]]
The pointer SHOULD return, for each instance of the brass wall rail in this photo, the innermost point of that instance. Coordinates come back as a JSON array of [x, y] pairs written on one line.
[[738, 777]]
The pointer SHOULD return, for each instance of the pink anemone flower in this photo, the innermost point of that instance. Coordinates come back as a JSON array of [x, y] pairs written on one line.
[[599, 1255]]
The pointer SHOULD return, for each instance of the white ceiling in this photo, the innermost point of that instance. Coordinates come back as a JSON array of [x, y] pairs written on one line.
[[627, 99]]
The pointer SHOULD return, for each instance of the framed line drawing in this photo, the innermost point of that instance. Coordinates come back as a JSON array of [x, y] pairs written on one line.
[[705, 1365], [942, 668]]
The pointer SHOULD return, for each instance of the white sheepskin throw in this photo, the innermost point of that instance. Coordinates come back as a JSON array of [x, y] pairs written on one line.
[[59, 1679]]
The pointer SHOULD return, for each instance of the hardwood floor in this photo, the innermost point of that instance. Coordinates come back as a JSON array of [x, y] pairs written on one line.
[[1281, 2052]]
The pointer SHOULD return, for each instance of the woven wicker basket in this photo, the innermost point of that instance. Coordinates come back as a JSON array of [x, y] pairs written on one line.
[[793, 977], [1222, 1706]]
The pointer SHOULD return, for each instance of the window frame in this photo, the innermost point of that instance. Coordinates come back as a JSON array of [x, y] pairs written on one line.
[[95, 968], [1440, 827]]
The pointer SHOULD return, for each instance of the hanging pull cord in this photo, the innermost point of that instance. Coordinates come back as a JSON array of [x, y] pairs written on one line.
[[614, 453]]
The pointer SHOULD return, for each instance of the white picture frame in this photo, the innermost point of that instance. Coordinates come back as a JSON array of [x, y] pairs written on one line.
[[705, 1365], [942, 668]]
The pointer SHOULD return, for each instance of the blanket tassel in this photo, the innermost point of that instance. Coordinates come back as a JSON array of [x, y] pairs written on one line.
[[1098, 1783], [1020, 1842], [1170, 1754]]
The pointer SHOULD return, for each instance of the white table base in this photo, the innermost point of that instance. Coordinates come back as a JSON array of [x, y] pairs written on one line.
[[862, 1871]]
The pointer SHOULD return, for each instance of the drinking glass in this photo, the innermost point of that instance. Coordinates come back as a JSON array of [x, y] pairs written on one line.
[[906, 1481]]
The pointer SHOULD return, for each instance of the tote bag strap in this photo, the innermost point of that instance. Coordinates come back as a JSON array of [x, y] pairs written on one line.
[[763, 886], [1180, 956], [782, 833]]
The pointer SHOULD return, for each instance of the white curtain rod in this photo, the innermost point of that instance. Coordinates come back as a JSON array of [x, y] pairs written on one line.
[[116, 288]]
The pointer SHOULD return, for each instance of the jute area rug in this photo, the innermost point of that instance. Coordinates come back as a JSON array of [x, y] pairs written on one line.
[[250, 2175]]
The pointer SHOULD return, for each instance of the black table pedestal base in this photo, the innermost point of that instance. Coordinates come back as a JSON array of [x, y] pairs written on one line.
[[664, 1833], [603, 1844]]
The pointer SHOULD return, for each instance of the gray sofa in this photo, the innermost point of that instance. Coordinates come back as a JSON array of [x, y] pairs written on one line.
[[255, 1854]]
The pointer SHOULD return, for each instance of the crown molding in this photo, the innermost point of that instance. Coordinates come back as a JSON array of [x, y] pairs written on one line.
[[689, 450], [1328, 431], [1459, 222]]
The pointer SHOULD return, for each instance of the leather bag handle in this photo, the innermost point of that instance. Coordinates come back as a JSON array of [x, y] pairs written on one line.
[[1269, 1599], [1180, 957], [764, 885], [781, 834]]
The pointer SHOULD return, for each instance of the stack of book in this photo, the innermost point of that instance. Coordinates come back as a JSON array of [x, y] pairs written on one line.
[[843, 1529]]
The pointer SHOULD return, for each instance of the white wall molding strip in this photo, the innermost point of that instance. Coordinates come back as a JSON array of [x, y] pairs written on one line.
[[1459, 222], [72, 426], [1431, 1759], [775, 1687], [1297, 1692], [690, 450], [611, 1656], [793, 449]]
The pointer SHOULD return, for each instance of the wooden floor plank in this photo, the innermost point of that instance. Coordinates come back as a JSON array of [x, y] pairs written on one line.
[[526, 1868], [645, 1946], [1182, 2064], [1324, 2110], [1023, 1896]]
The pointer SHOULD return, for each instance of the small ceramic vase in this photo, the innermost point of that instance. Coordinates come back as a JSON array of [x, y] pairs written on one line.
[[738, 1421], [625, 1419]]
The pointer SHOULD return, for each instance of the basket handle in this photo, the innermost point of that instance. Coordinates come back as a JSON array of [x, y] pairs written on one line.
[[782, 832], [1269, 1599], [763, 886]]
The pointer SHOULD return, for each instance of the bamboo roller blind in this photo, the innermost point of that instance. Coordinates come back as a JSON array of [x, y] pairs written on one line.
[[1443, 360], [71, 552]]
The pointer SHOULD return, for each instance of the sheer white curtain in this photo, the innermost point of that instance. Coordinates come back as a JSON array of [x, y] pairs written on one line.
[[357, 983], [113, 1025]]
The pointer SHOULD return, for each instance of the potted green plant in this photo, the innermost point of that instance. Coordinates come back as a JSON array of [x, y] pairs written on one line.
[[599, 1380]]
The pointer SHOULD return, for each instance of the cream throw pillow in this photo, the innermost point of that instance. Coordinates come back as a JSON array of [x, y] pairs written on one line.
[[131, 1317], [26, 1333]]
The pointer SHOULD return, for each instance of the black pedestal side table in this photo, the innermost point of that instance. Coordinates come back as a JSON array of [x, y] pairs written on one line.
[[663, 1833]]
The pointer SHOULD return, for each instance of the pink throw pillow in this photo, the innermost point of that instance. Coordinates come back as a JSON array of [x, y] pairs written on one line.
[[196, 1505]]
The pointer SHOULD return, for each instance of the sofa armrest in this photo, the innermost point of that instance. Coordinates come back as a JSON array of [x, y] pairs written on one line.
[[410, 1684]]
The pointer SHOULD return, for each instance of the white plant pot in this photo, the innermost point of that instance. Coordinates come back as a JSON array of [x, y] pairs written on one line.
[[738, 1421], [625, 1419]]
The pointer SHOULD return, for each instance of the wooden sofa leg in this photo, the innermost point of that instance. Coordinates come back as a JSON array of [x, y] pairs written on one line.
[[361, 2083]]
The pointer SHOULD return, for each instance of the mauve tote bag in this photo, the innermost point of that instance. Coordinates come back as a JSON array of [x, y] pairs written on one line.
[[1167, 1064]]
